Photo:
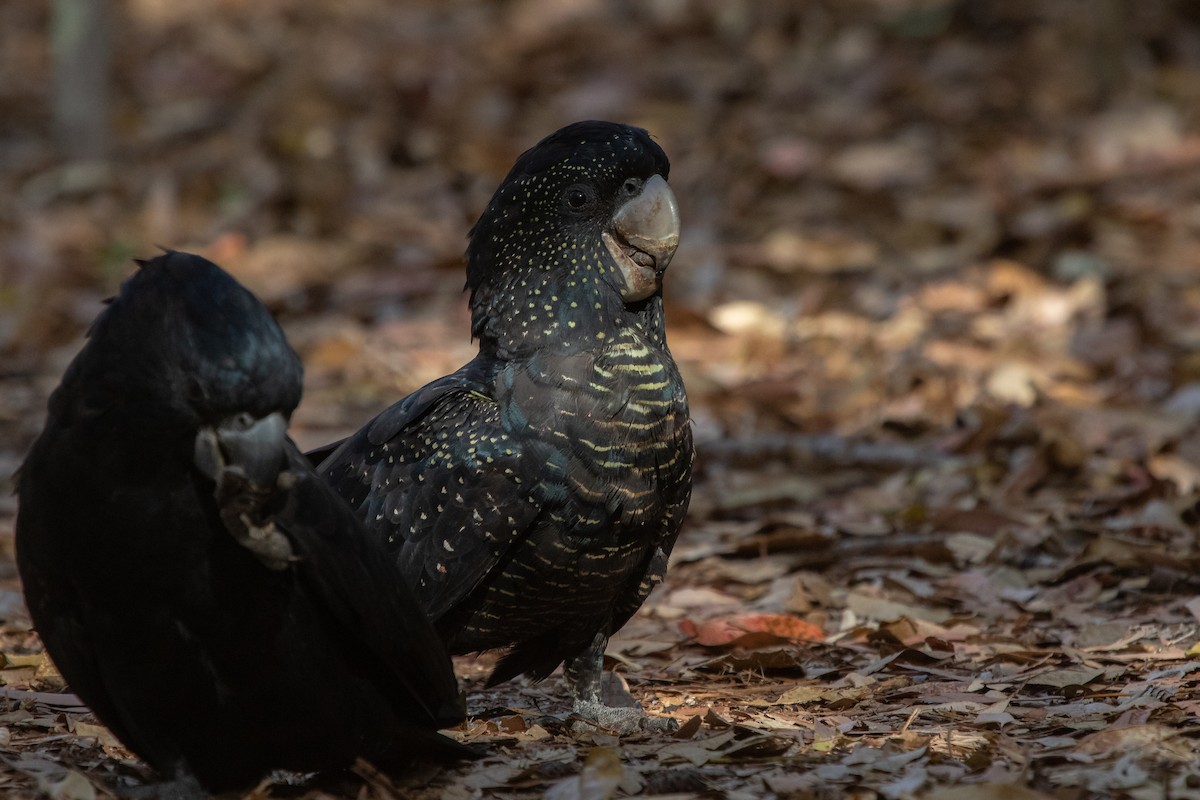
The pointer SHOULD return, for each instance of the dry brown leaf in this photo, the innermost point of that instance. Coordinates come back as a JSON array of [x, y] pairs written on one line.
[[985, 791], [697, 752], [73, 786], [838, 697], [747, 630], [1160, 740], [98, 732], [597, 780], [1061, 678], [879, 608]]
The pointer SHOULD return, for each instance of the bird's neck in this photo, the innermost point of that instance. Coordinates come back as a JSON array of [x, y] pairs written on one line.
[[561, 313]]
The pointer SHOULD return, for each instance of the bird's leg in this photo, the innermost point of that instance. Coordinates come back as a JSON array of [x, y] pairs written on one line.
[[584, 673], [586, 681], [241, 505]]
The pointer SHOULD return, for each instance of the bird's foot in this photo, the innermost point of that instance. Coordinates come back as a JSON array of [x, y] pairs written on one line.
[[602, 698], [622, 721], [241, 504], [245, 458], [265, 541], [614, 709]]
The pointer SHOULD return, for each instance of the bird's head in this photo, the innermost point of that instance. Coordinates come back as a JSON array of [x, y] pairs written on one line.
[[184, 345], [579, 234]]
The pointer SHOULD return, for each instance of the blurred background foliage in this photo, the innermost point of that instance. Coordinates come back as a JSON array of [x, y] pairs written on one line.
[[892, 208]]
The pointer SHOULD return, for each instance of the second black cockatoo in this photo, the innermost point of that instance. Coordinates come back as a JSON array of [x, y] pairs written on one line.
[[210, 598], [532, 497]]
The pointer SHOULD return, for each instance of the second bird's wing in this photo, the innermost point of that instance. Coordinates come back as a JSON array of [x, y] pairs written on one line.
[[439, 477]]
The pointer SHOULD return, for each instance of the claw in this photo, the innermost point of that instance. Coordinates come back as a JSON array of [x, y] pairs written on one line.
[[245, 457]]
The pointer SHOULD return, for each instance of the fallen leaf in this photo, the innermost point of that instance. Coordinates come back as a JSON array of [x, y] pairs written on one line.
[[689, 728], [598, 780], [878, 608], [738, 629], [801, 695], [98, 732], [1000, 718], [697, 752], [1153, 738], [986, 791], [1060, 678], [73, 786]]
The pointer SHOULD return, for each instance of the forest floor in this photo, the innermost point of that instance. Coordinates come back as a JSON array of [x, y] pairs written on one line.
[[937, 308]]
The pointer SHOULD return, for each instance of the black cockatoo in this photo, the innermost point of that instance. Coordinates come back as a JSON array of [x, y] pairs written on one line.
[[532, 497], [210, 598]]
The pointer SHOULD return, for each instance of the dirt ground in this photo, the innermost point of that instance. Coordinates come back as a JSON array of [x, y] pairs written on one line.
[[937, 306]]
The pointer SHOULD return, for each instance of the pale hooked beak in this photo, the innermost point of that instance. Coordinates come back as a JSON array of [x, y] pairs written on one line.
[[243, 444], [644, 237]]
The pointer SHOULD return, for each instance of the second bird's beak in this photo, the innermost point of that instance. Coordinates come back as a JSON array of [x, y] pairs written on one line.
[[242, 444], [644, 237]]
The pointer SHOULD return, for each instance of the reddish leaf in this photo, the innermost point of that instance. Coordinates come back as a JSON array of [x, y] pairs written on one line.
[[743, 628]]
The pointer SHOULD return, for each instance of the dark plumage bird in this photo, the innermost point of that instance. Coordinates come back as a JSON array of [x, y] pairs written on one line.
[[209, 597], [532, 498]]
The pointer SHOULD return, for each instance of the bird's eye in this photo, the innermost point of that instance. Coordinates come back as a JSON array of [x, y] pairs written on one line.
[[577, 197]]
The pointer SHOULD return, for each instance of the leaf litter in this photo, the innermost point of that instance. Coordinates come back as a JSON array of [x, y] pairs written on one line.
[[937, 308]]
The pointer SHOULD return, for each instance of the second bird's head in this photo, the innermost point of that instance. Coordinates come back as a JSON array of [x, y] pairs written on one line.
[[580, 231], [182, 348]]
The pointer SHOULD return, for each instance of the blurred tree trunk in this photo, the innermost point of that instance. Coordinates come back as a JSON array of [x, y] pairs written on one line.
[[1109, 28], [82, 53]]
